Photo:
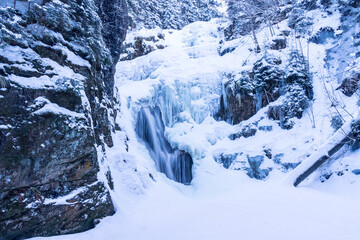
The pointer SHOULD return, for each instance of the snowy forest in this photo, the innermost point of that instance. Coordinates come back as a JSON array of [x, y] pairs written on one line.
[[179, 119]]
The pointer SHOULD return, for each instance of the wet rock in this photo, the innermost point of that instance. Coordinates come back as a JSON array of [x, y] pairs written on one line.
[[254, 171], [182, 167], [226, 159]]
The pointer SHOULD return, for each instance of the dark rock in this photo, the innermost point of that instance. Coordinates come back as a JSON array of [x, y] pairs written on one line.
[[350, 85], [26, 216], [226, 159], [266, 128], [268, 153], [278, 43], [114, 18], [49, 154], [239, 107], [289, 166], [141, 46], [356, 171], [277, 158], [254, 171], [325, 177], [222, 52], [274, 112], [237, 103], [247, 131]]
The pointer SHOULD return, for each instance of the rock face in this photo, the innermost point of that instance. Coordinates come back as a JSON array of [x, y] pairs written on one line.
[[114, 18], [57, 64], [350, 85], [246, 92]]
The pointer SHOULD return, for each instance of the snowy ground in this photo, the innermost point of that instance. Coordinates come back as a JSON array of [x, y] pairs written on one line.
[[229, 206], [184, 79]]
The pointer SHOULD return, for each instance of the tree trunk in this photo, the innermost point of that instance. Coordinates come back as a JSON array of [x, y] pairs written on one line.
[[255, 40]]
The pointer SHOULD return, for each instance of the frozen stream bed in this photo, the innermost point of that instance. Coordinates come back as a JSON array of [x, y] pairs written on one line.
[[230, 207]]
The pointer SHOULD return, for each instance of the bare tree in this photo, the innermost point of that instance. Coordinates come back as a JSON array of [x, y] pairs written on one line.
[[251, 14]]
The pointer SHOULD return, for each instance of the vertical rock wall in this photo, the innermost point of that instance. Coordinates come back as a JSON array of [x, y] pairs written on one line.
[[56, 79]]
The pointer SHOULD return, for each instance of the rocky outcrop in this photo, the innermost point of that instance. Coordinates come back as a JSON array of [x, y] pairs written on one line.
[[246, 92], [56, 78], [350, 85], [238, 102], [142, 45]]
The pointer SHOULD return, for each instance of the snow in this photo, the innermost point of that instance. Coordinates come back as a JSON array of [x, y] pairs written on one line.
[[33, 82], [326, 21], [61, 76], [322, 151], [185, 80], [219, 210], [53, 108], [70, 56], [15, 53], [4, 127]]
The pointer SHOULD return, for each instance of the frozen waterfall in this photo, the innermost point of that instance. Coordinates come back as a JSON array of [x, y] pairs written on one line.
[[174, 163]]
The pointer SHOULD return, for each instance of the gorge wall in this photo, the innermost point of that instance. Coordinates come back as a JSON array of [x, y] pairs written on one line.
[[57, 63]]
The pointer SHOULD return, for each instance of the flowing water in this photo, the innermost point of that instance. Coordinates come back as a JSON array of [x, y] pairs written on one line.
[[174, 163]]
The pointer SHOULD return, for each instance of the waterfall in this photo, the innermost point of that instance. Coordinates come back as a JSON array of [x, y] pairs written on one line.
[[174, 163]]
